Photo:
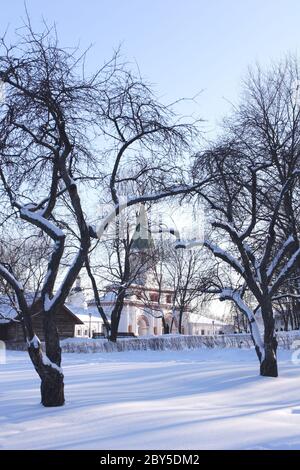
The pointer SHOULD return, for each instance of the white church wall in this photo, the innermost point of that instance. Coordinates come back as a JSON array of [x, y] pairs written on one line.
[[123, 325], [135, 318]]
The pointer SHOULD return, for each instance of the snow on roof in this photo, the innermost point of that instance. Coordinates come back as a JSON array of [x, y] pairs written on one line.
[[7, 311], [201, 319], [85, 315]]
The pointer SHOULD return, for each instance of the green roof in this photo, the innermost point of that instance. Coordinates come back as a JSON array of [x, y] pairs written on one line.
[[142, 237]]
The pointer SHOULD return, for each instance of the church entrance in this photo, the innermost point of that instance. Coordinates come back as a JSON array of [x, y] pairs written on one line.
[[143, 326]]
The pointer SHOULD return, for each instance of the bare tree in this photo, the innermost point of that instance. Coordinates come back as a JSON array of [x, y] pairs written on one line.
[[157, 280], [122, 264], [27, 257], [44, 121], [190, 277], [148, 143], [61, 131], [254, 200]]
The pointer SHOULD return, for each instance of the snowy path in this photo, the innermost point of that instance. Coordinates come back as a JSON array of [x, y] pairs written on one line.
[[203, 399]]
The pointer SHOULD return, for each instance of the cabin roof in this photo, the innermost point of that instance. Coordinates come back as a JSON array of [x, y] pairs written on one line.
[[8, 313]]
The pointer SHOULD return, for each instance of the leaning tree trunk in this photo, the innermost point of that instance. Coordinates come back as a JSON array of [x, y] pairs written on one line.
[[52, 378], [268, 365], [48, 365], [52, 386]]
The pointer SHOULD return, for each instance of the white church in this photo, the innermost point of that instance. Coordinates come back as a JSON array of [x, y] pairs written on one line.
[[144, 304], [136, 318]]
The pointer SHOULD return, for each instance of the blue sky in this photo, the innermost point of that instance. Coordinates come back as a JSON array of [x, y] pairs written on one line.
[[181, 46]]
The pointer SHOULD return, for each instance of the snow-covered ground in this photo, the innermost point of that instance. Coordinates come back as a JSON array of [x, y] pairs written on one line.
[[200, 399]]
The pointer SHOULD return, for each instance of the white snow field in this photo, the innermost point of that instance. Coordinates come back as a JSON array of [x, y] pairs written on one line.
[[200, 399]]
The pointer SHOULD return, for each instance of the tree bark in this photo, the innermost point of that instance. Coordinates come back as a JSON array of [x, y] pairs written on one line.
[[52, 388], [113, 335], [180, 320], [116, 315], [114, 325], [52, 378], [268, 365], [165, 326]]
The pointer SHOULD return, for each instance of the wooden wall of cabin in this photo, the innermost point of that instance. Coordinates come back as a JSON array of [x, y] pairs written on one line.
[[65, 324]]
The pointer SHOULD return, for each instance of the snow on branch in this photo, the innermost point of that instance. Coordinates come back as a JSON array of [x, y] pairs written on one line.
[[131, 201], [215, 249], [279, 255], [34, 342], [50, 303], [287, 268], [228, 228], [225, 256], [48, 363], [271, 232], [287, 295], [37, 218], [235, 296], [188, 244], [9, 277]]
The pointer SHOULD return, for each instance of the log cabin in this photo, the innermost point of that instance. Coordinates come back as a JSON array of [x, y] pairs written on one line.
[[11, 326]]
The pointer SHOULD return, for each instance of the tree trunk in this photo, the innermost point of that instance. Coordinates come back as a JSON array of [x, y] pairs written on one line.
[[114, 327], [48, 365], [180, 321], [268, 365], [113, 336], [52, 387], [116, 315], [165, 329], [52, 378]]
